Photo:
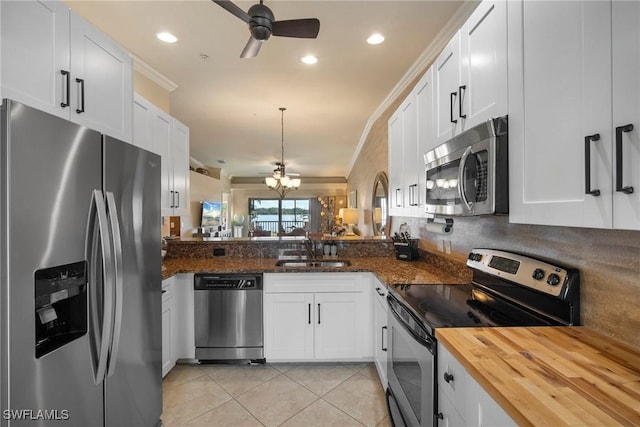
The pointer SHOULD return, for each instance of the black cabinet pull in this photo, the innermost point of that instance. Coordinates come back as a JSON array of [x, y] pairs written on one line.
[[460, 89], [318, 314], [451, 98], [309, 314], [587, 164], [398, 204], [619, 131], [448, 377], [67, 78], [177, 204], [81, 86], [379, 292], [173, 199], [412, 195], [382, 347]]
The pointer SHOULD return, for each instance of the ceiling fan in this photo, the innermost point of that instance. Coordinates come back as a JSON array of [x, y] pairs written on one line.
[[262, 26], [279, 171]]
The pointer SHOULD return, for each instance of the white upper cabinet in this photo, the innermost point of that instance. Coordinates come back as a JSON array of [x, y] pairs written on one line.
[[143, 112], [426, 135], [180, 168], [626, 111], [396, 159], [471, 72], [35, 52], [55, 61], [447, 94], [410, 136], [158, 132], [483, 64], [102, 81], [162, 146], [409, 163], [567, 127]]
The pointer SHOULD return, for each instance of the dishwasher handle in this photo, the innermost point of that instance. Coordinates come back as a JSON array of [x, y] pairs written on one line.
[[227, 282]]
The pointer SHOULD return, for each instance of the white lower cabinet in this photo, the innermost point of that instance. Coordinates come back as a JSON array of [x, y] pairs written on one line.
[[461, 400], [168, 322], [178, 339], [184, 326], [316, 316], [380, 330]]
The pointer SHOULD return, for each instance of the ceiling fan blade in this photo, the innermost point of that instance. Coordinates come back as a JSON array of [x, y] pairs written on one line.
[[233, 9], [252, 48], [300, 28]]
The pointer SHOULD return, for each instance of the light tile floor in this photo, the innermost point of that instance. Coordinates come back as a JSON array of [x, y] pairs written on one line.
[[304, 395]]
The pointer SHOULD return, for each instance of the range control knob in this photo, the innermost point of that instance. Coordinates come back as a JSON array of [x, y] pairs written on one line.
[[538, 274], [553, 279], [475, 257]]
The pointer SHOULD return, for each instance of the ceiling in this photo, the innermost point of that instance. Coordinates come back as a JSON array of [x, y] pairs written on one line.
[[231, 104]]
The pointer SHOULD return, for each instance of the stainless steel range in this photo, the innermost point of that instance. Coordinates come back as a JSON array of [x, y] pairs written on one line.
[[507, 289]]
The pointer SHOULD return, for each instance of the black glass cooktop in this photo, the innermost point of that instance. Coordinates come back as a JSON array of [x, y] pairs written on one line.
[[445, 306]]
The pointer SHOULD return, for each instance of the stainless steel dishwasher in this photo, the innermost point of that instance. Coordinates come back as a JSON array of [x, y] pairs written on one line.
[[228, 317]]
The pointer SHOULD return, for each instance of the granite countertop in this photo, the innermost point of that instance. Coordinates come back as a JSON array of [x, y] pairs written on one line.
[[389, 270], [552, 376]]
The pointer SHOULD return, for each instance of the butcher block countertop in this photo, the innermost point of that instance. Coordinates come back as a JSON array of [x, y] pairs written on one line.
[[552, 376]]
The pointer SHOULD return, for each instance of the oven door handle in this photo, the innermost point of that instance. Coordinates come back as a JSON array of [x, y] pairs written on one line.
[[425, 341], [461, 183]]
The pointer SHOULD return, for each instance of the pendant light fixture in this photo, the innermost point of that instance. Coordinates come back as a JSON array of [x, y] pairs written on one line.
[[280, 182]]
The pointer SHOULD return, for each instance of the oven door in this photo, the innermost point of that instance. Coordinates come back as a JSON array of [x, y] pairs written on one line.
[[410, 369]]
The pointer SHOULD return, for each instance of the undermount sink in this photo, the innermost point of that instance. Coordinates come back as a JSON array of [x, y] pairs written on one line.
[[311, 263]]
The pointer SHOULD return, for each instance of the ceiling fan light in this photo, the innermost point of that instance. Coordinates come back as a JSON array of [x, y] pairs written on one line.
[[270, 181], [284, 180], [295, 183]]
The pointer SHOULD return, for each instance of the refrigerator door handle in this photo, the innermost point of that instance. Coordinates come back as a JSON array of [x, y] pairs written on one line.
[[119, 278], [100, 302]]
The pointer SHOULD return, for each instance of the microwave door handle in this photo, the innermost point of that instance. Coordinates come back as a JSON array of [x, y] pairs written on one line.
[[461, 182]]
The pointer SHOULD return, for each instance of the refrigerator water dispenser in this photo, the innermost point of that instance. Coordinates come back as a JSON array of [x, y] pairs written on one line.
[[60, 306]]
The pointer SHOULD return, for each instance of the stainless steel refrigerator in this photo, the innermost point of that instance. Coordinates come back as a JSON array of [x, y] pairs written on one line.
[[80, 264]]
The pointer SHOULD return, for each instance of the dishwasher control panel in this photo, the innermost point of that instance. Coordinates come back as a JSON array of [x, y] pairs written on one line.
[[207, 281]]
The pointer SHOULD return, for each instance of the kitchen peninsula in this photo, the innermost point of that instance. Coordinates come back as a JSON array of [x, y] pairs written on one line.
[[261, 254]]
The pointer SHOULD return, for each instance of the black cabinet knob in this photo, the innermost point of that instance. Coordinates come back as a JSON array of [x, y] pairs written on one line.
[[448, 377]]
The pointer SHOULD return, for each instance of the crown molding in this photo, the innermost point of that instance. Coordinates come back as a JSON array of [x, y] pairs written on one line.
[[152, 74]]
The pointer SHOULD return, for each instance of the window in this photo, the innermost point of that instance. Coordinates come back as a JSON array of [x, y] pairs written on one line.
[[278, 216]]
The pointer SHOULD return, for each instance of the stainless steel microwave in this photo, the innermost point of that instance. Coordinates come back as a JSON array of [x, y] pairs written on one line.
[[469, 174]]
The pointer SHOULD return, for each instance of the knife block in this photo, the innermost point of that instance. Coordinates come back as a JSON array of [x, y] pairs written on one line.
[[407, 251]]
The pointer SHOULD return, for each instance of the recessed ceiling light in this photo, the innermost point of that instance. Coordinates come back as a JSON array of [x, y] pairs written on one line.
[[376, 38], [309, 59], [167, 37]]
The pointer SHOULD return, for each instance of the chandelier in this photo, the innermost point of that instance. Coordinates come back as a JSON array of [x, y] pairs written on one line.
[[280, 182]]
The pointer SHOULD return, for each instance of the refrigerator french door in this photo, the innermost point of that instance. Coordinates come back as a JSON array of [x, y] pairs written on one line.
[[80, 267]]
